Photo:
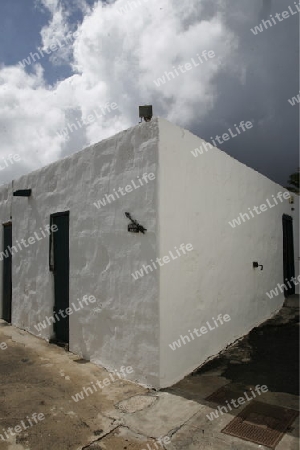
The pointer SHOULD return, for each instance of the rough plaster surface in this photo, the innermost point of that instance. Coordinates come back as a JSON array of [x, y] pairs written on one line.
[[198, 196], [102, 252], [191, 200]]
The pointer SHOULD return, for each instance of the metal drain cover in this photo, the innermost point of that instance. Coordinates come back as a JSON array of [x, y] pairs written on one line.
[[261, 423]]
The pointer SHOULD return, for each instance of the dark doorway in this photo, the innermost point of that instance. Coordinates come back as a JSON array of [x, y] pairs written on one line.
[[59, 265], [288, 255], [7, 285]]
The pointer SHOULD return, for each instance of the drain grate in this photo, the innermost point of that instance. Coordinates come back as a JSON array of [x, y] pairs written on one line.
[[261, 423]]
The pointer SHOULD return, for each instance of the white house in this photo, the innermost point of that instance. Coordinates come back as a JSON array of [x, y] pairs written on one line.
[[162, 294]]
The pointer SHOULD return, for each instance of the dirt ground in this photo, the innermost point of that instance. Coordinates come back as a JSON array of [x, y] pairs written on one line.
[[41, 378]]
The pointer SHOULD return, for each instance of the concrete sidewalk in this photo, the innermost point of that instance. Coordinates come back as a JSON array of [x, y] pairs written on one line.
[[37, 377]]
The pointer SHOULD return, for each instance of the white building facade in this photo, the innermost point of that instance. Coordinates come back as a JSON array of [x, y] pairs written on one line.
[[121, 293]]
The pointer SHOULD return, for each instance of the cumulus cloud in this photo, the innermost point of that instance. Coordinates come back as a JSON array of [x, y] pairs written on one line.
[[123, 46], [118, 53], [58, 30], [29, 117]]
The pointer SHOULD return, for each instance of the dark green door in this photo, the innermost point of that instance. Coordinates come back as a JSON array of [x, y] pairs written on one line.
[[288, 254], [60, 254], [7, 286]]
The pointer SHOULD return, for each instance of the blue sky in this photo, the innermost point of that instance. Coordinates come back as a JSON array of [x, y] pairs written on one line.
[[21, 22]]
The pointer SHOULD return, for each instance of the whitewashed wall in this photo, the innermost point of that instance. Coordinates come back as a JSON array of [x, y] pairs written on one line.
[[139, 319], [198, 197], [103, 254]]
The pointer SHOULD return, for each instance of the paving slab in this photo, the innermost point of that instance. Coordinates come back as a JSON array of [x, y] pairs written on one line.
[[200, 433], [136, 403], [122, 438], [167, 414]]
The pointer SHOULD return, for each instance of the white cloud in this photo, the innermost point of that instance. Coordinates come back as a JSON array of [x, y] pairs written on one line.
[[57, 30], [29, 117], [115, 58]]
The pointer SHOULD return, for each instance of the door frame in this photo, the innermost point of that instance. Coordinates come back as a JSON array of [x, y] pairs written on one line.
[[52, 269], [7, 318], [51, 256], [288, 255]]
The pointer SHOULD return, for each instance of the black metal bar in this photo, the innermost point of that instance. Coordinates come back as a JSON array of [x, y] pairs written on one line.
[[22, 193]]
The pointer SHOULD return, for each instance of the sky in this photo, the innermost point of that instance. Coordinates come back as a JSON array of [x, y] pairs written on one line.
[[63, 62]]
